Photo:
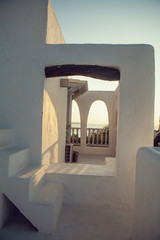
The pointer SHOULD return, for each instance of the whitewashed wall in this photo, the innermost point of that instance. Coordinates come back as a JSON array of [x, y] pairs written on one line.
[[136, 102], [54, 34], [84, 102], [146, 221], [54, 121], [24, 55], [54, 103], [23, 31]]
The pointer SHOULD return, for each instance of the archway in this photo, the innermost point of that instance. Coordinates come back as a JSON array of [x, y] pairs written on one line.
[[97, 134]]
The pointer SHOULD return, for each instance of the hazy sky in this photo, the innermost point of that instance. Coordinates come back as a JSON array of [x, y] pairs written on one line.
[[115, 21]]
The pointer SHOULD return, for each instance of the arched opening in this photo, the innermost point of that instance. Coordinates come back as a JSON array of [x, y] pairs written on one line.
[[75, 124], [97, 134]]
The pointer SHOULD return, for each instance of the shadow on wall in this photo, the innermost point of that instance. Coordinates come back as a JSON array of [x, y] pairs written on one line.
[[49, 131]]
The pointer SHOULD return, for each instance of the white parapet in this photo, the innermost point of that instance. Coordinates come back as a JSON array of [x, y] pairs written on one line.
[[147, 195]]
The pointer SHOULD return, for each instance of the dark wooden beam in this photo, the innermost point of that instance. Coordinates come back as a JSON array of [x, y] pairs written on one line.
[[94, 71]]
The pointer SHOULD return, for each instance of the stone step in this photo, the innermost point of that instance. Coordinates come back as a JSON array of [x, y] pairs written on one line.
[[51, 196], [39, 201], [34, 175], [49, 193], [15, 159]]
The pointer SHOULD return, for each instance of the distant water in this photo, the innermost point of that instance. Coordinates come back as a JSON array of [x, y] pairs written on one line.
[[77, 125]]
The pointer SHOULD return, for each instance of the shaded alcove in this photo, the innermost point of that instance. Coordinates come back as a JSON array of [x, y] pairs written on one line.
[[14, 220]]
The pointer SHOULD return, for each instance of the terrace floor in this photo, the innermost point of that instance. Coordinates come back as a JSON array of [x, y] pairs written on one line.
[[86, 165], [78, 223], [92, 159], [90, 223]]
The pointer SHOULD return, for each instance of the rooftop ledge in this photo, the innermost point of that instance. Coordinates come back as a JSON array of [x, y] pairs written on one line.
[[79, 169]]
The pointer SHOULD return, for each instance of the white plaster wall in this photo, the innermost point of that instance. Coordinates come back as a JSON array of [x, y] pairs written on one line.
[[88, 190], [84, 102], [54, 121], [22, 33], [147, 195], [24, 55], [23, 29], [54, 34], [136, 102]]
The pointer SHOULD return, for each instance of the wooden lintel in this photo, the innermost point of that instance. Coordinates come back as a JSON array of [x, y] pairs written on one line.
[[95, 71]]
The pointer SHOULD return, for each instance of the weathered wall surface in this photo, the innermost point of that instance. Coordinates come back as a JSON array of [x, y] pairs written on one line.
[[54, 121], [24, 55], [22, 45], [54, 34], [84, 102], [136, 102], [54, 103], [23, 33], [147, 195]]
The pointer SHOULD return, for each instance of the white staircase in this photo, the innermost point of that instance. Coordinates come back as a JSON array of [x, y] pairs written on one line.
[[27, 187]]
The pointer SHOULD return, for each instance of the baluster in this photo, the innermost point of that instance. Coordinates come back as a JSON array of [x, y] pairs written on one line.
[[73, 135], [97, 136], [108, 136], [101, 136], [89, 136], [93, 137], [105, 137], [77, 136]]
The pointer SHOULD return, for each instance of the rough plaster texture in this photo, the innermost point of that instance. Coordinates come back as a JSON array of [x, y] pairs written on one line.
[[89, 223], [147, 195], [22, 45], [75, 223], [24, 56], [86, 184], [54, 121], [26, 187], [134, 126], [54, 34], [84, 103]]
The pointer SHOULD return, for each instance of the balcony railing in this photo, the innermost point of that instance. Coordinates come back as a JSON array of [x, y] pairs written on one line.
[[76, 136], [95, 137]]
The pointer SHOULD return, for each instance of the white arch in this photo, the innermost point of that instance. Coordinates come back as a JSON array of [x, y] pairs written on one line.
[[75, 119], [98, 114]]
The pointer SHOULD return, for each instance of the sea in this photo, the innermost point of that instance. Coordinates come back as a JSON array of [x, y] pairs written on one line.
[[91, 125], [100, 125]]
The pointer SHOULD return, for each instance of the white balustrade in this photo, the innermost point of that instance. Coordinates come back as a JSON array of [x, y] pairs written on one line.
[[76, 136], [95, 137]]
